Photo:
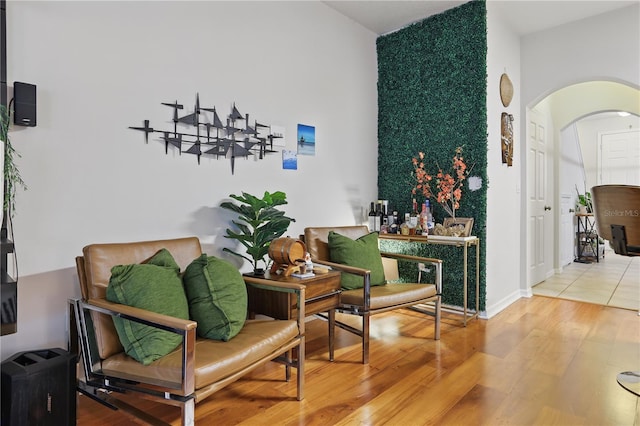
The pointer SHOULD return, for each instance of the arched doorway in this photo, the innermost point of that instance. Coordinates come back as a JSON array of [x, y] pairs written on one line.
[[575, 116]]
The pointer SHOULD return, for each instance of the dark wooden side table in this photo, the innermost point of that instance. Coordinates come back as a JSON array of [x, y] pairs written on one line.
[[322, 294]]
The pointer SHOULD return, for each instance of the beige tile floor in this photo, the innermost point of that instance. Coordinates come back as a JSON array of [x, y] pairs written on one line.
[[614, 281]]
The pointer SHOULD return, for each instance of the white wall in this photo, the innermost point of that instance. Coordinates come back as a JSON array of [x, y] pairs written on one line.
[[602, 47], [101, 67], [504, 191]]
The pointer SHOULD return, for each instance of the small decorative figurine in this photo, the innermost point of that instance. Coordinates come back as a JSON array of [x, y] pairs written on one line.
[[308, 262]]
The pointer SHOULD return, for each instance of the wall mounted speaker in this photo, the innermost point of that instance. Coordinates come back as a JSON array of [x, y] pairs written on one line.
[[24, 106]]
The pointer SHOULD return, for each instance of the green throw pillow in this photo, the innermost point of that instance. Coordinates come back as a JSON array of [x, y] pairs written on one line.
[[217, 297], [154, 286], [361, 253]]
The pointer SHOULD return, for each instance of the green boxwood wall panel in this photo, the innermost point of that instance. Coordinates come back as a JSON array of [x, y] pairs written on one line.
[[432, 84]]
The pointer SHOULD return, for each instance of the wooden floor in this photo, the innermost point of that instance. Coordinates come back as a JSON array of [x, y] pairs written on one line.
[[542, 361]]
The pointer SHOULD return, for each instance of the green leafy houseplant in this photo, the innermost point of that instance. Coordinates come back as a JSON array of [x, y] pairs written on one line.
[[259, 222], [585, 200], [12, 178]]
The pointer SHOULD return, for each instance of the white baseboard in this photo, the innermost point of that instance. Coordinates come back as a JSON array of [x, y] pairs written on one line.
[[502, 304]]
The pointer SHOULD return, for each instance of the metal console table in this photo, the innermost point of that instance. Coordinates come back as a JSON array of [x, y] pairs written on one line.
[[465, 243]]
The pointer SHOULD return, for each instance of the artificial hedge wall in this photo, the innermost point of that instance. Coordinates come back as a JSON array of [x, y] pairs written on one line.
[[432, 86]]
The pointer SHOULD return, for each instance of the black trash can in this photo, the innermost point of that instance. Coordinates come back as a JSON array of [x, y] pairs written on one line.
[[39, 388]]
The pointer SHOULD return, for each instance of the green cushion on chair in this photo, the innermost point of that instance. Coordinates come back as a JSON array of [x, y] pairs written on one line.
[[361, 253], [154, 286], [217, 297]]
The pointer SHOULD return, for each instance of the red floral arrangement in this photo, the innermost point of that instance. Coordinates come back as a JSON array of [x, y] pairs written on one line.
[[449, 187]]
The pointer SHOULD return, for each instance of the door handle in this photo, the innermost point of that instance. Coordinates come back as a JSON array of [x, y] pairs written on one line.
[[547, 208]]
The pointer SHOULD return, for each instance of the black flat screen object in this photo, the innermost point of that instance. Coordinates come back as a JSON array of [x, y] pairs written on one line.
[[39, 388], [24, 104]]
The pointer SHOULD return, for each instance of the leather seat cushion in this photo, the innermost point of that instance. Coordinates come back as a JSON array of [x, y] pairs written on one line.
[[389, 295], [215, 360]]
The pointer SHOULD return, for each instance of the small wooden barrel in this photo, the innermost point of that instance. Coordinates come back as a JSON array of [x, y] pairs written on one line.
[[285, 252]]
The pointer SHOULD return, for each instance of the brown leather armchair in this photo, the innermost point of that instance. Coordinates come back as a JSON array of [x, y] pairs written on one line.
[[617, 212], [371, 300], [198, 367]]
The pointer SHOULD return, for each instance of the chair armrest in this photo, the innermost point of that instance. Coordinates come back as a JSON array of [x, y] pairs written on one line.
[[166, 322], [364, 273], [185, 328], [343, 268], [273, 285]]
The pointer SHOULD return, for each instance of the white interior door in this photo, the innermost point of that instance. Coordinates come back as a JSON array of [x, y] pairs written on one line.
[[619, 158], [567, 235], [539, 232]]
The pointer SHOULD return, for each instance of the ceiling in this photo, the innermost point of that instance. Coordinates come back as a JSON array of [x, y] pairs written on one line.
[[523, 16]]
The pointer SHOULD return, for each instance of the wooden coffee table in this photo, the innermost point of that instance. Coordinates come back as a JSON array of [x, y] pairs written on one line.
[[322, 294]]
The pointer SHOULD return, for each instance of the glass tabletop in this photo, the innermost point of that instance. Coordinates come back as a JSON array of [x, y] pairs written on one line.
[[630, 380]]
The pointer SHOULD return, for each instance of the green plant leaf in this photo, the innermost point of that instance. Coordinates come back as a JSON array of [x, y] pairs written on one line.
[[258, 223]]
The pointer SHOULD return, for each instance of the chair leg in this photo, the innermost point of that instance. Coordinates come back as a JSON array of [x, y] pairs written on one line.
[[332, 332], [301, 356], [437, 319], [365, 338], [188, 410], [287, 367]]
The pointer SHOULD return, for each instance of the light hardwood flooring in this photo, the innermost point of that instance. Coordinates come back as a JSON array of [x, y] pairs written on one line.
[[614, 281], [541, 361]]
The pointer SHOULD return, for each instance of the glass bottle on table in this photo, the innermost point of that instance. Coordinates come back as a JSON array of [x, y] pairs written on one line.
[[384, 228], [372, 218], [424, 217], [382, 214], [413, 217], [393, 223], [430, 223], [404, 228]]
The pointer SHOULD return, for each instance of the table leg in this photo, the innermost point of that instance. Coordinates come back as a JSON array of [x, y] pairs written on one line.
[[332, 331], [464, 302]]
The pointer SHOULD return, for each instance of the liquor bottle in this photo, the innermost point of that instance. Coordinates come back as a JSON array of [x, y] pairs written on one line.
[[384, 228], [423, 221], [413, 216], [404, 227], [382, 214], [372, 218], [430, 223], [418, 229], [376, 219], [393, 228], [390, 217]]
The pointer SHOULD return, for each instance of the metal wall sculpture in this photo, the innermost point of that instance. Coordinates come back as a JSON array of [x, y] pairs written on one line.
[[206, 134]]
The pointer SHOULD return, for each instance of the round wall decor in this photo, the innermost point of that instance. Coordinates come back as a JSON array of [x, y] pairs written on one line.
[[506, 90]]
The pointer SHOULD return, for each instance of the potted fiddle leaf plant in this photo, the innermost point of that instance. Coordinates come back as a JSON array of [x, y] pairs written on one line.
[[259, 222]]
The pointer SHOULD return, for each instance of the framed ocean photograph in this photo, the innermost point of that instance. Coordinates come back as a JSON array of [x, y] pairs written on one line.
[[289, 160], [306, 140]]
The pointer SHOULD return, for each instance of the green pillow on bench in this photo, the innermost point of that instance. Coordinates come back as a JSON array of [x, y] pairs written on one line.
[[361, 253], [154, 286]]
